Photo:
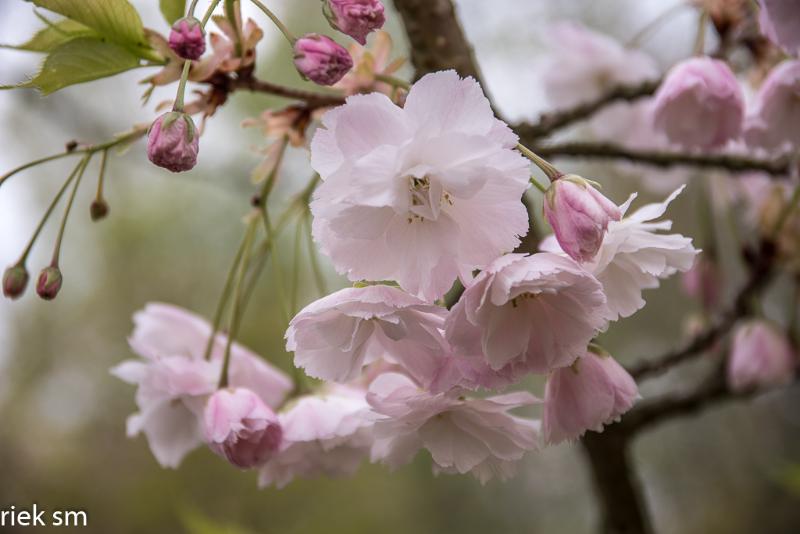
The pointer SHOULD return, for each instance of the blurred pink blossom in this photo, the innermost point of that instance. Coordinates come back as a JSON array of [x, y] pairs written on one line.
[[761, 357], [772, 124], [780, 23]]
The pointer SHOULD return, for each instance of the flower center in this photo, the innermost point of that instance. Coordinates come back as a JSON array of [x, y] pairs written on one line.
[[426, 199], [519, 299]]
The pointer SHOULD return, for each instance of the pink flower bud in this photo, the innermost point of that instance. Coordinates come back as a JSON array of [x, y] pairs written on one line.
[[15, 279], [592, 393], [761, 356], [187, 38], [321, 59], [579, 215], [241, 428], [173, 142], [700, 104], [49, 283], [356, 18]]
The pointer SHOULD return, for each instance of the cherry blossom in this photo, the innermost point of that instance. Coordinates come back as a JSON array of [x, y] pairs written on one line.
[[761, 356], [773, 122], [780, 21], [463, 435], [420, 194]]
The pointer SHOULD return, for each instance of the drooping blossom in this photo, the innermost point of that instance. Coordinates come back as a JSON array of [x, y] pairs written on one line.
[[241, 428], [594, 392], [175, 380], [528, 314], [334, 337], [420, 194], [776, 112], [173, 142], [579, 215], [463, 435], [321, 59], [15, 280], [49, 282], [328, 433], [634, 256], [356, 18], [780, 23], [187, 38], [700, 104], [585, 64], [761, 357]]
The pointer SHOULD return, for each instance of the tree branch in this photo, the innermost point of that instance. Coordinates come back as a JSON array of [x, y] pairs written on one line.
[[312, 99], [550, 122], [436, 38], [779, 167], [760, 275]]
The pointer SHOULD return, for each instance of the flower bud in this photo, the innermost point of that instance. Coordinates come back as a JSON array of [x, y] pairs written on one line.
[[241, 428], [187, 38], [15, 279], [579, 215], [99, 209], [761, 356], [49, 283], [321, 59], [356, 18], [173, 142]]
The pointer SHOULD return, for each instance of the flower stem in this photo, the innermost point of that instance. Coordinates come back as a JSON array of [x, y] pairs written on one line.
[[192, 6], [537, 185], [391, 80], [178, 106], [547, 168], [236, 310], [102, 176], [700, 40], [80, 170], [281, 26], [786, 212], [233, 14], [209, 12]]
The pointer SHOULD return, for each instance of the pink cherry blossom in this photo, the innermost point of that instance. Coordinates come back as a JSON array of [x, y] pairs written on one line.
[[463, 435], [241, 428], [634, 256], [334, 337], [761, 356], [776, 112], [175, 381], [780, 22], [173, 142], [420, 194], [187, 38], [328, 433], [585, 64], [528, 314], [356, 18], [592, 393], [579, 215], [700, 104]]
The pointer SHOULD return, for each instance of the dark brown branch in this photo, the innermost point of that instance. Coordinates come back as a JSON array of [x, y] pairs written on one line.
[[312, 99], [550, 122], [734, 163], [436, 38], [760, 274]]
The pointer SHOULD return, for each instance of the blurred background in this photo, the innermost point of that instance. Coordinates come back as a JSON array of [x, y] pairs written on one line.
[[732, 469]]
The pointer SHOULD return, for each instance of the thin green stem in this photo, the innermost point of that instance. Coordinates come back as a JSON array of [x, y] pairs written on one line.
[[547, 168], [209, 12], [192, 7], [391, 80], [236, 310], [700, 40], [101, 178], [178, 106], [57, 249], [537, 185], [281, 26], [783, 218], [233, 15], [655, 23], [24, 257]]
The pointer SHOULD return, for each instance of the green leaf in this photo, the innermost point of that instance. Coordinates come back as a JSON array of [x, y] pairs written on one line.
[[51, 37], [116, 20], [172, 9], [81, 60]]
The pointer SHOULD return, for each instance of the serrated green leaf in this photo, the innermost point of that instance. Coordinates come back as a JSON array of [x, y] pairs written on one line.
[[116, 20], [51, 37], [172, 9], [81, 60]]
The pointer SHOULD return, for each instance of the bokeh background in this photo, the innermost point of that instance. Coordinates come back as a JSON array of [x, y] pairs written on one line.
[[732, 469]]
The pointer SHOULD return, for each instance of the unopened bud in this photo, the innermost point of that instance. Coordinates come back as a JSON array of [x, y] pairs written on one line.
[[187, 38], [173, 142], [356, 18], [99, 209], [15, 280], [49, 283], [321, 59]]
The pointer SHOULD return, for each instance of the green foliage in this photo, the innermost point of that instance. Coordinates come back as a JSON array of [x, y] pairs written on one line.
[[116, 20], [196, 522], [81, 60], [55, 34], [172, 9]]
